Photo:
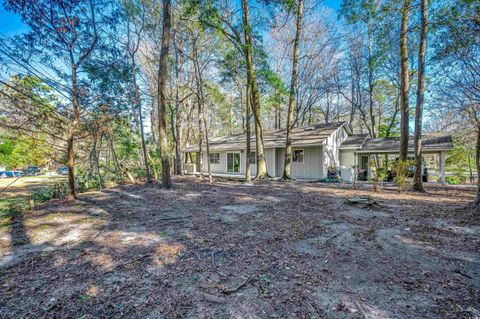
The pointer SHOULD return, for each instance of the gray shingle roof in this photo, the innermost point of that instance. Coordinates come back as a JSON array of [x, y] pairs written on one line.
[[392, 144], [301, 136], [354, 141]]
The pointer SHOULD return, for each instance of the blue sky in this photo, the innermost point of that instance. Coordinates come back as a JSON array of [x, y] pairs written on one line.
[[11, 24]]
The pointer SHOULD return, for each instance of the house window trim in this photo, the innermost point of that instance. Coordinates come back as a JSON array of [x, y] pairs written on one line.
[[210, 158], [226, 162], [303, 155]]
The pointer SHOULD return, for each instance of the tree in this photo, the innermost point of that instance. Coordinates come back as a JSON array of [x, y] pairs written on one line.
[[404, 85], [292, 93], [66, 30], [417, 179], [255, 94], [162, 98], [135, 16]]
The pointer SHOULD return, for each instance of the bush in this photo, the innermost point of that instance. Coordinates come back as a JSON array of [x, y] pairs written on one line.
[[42, 194], [58, 190], [452, 180]]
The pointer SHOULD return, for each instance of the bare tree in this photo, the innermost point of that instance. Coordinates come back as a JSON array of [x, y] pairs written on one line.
[[162, 98]]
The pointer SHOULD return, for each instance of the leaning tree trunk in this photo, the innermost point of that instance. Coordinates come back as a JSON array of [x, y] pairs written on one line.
[[293, 89], [404, 88], [417, 180], [255, 105], [162, 80]]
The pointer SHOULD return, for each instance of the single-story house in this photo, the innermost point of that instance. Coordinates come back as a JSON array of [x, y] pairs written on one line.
[[314, 149]]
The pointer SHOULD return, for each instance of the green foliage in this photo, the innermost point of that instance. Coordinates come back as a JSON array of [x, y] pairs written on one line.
[[21, 151], [57, 190], [452, 180], [461, 160], [401, 167]]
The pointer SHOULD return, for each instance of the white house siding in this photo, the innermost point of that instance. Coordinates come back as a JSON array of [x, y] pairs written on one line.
[[279, 160], [347, 158], [216, 168], [331, 152], [311, 166], [222, 166]]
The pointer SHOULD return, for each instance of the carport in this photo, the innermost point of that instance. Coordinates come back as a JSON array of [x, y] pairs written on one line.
[[437, 146]]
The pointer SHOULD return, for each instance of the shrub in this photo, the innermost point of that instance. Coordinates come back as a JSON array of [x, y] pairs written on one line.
[[452, 180]]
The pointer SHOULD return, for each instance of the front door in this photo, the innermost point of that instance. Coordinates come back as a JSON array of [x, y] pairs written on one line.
[[233, 162]]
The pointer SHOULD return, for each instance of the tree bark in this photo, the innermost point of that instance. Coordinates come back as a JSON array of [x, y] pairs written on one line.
[[200, 100], [248, 173], [178, 113], [71, 134], [293, 89], [476, 203], [371, 85], [255, 105], [417, 180], [70, 164], [404, 83], [162, 80], [210, 178], [142, 136], [153, 118]]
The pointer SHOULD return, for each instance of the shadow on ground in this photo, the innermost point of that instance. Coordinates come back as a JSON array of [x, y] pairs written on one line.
[[228, 250]]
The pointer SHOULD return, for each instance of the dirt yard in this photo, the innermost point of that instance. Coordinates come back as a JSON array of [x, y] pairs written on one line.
[[229, 250]]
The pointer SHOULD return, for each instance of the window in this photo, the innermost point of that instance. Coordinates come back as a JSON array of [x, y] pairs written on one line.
[[233, 162], [214, 158], [252, 159], [298, 156]]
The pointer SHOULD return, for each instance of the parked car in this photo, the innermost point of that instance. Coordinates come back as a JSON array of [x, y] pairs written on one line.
[[62, 170], [10, 174], [32, 171]]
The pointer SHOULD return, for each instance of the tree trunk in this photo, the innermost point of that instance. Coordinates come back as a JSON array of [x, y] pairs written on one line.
[[371, 85], [417, 180], [404, 83], [476, 203], [71, 134], [255, 105], [178, 144], [114, 156], [162, 80], [178, 114], [153, 118], [293, 89], [70, 165], [144, 145], [210, 179], [277, 110], [248, 173], [200, 100]]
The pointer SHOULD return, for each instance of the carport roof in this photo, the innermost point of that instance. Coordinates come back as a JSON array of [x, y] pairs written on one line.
[[430, 144]]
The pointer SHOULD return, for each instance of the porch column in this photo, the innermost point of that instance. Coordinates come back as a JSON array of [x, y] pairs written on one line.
[[441, 166]]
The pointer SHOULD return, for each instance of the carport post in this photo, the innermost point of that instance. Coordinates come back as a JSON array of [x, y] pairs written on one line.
[[441, 164]]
